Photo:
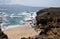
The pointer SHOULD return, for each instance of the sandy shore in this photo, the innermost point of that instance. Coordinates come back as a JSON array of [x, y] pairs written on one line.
[[21, 31]]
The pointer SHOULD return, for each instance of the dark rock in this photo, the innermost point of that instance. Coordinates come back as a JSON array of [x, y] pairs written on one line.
[[2, 35], [49, 21], [23, 38]]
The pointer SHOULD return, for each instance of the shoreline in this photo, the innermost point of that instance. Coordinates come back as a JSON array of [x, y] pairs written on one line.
[[21, 31], [14, 26]]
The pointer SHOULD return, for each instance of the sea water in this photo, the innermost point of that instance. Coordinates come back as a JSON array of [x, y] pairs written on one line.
[[11, 20], [17, 15]]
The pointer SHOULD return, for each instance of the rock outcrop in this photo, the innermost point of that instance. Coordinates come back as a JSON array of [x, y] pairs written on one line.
[[48, 21], [3, 35]]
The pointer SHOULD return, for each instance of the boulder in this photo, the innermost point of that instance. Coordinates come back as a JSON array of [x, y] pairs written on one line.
[[3, 35]]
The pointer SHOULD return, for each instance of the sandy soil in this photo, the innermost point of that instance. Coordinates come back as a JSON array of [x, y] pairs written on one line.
[[18, 32]]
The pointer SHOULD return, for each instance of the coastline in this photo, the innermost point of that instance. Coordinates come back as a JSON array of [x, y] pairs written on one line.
[[14, 26], [20, 31]]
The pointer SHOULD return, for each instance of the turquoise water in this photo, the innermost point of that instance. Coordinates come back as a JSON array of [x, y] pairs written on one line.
[[15, 20], [17, 11]]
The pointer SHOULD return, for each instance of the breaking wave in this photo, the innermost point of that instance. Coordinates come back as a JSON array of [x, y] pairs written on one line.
[[17, 18]]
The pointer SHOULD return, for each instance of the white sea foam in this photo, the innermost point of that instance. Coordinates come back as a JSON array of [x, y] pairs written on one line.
[[28, 16], [8, 27]]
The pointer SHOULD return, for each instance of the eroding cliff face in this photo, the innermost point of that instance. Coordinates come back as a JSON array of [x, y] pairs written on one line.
[[48, 21]]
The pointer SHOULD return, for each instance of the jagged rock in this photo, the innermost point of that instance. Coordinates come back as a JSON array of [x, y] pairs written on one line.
[[49, 21], [3, 36]]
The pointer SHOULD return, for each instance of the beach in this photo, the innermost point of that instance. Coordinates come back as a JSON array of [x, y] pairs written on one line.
[[20, 31]]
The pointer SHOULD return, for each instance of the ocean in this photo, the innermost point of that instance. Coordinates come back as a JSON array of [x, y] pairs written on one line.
[[17, 14], [12, 20]]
